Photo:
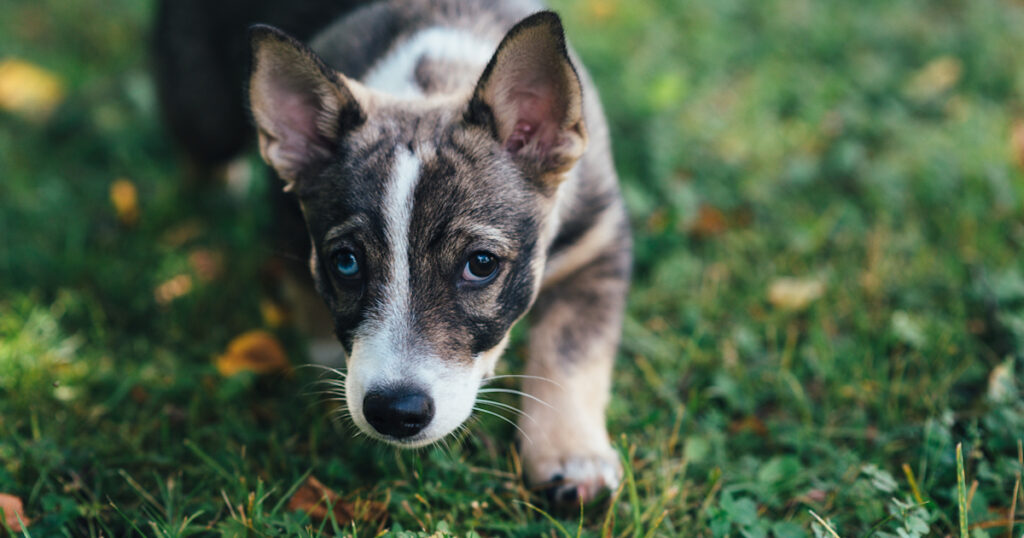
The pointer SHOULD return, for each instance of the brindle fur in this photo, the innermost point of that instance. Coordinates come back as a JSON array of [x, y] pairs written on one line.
[[556, 223]]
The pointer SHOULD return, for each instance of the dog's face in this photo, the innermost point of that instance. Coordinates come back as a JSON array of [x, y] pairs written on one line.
[[430, 217]]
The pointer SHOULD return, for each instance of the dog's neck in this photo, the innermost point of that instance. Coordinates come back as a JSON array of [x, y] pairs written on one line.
[[431, 61]]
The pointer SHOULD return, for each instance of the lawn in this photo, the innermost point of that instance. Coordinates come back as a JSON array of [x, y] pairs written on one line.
[[828, 204]]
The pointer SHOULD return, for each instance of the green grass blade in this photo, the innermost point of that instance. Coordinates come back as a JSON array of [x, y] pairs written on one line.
[[550, 518], [961, 490], [634, 497], [209, 461]]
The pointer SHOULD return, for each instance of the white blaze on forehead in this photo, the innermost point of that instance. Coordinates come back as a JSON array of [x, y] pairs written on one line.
[[382, 344], [395, 73], [398, 201]]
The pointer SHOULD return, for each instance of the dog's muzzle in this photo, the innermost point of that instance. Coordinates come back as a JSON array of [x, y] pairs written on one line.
[[398, 412]]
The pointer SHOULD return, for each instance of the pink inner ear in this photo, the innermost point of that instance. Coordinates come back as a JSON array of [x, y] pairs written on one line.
[[537, 120], [295, 116], [520, 137]]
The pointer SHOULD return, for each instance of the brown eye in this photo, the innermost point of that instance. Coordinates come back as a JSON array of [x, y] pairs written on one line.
[[480, 267]]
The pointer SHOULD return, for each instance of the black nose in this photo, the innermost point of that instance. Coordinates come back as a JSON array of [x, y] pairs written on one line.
[[399, 411]]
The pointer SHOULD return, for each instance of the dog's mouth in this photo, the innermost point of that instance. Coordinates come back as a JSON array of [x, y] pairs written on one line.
[[408, 414], [414, 403], [418, 441], [428, 436]]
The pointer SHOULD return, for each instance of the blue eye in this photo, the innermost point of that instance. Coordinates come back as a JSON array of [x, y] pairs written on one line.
[[347, 264]]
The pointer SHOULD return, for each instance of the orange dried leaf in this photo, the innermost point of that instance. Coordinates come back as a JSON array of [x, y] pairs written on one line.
[[710, 221], [794, 293], [125, 199], [750, 424], [29, 90], [319, 501], [254, 351], [173, 289], [208, 264], [12, 510]]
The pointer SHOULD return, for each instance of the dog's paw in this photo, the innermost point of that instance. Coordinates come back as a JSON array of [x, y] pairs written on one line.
[[574, 479]]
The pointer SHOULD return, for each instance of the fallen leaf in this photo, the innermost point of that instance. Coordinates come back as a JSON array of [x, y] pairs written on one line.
[[934, 79], [13, 512], [750, 424], [29, 90], [789, 293], [319, 501], [208, 264], [273, 315], [139, 394], [254, 351], [172, 289], [710, 221], [125, 199], [1002, 387], [658, 221], [601, 10], [1017, 142], [816, 495], [183, 233]]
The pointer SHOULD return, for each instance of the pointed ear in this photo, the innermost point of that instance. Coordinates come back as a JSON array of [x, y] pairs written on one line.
[[530, 97], [300, 105]]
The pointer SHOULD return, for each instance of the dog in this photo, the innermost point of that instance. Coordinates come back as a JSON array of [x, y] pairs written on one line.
[[454, 171]]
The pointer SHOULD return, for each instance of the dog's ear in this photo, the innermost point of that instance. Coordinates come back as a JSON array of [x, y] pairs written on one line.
[[300, 105], [530, 97]]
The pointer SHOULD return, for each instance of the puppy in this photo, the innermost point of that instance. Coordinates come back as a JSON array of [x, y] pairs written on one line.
[[453, 167]]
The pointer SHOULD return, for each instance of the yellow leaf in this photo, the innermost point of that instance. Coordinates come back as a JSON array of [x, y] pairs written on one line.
[[601, 10], [1017, 142], [13, 512], [794, 293], [29, 90], [254, 351], [934, 79], [273, 315], [125, 199]]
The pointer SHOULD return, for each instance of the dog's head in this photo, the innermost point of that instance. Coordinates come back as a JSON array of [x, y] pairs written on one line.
[[430, 217]]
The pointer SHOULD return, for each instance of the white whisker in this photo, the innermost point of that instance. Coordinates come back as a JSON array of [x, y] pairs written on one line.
[[327, 369], [537, 377], [331, 382], [506, 419], [519, 392], [322, 392], [506, 406]]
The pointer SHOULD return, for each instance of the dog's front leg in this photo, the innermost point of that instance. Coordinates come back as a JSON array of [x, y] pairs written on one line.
[[573, 339]]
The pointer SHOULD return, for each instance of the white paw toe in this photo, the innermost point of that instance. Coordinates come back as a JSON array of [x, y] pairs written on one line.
[[579, 478]]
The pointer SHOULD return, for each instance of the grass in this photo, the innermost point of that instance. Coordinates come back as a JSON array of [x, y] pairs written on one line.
[[860, 146]]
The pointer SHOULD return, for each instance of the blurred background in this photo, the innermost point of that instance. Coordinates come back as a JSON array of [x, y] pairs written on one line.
[[828, 204]]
